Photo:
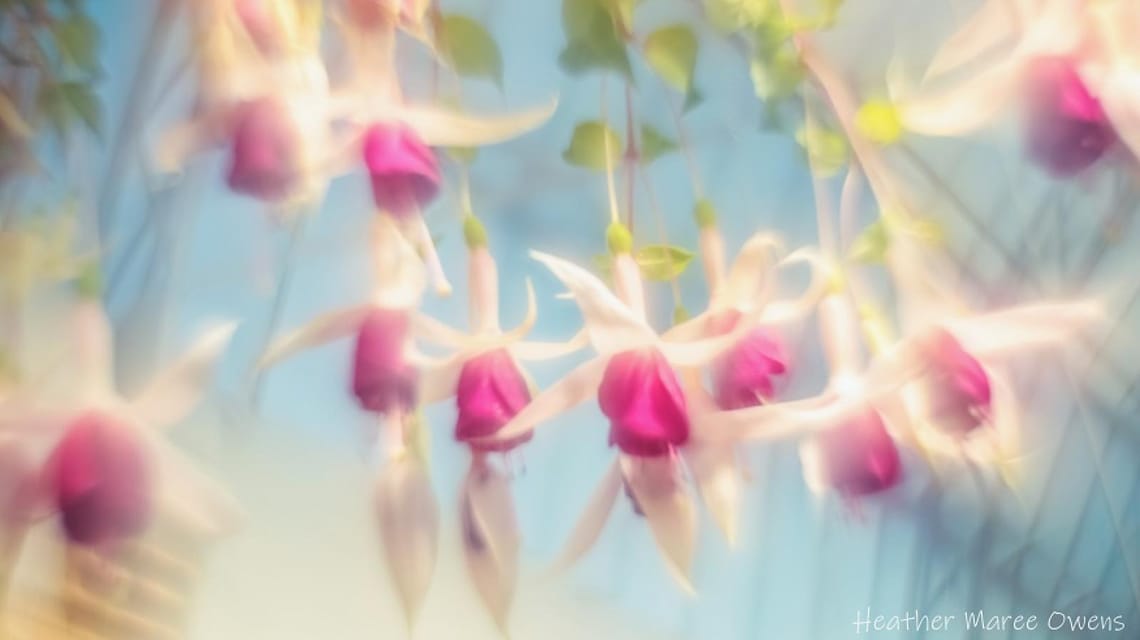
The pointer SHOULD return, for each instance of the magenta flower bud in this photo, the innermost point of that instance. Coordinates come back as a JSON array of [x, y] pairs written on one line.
[[1067, 128], [491, 391], [744, 375], [382, 379], [642, 398], [859, 457], [264, 150], [404, 171], [956, 387], [101, 481]]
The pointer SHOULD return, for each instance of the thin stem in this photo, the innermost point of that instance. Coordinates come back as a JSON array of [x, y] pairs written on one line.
[[465, 191], [631, 155], [614, 217], [824, 227], [674, 285], [277, 309]]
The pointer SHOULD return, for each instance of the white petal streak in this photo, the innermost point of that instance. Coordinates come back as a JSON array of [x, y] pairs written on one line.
[[657, 485], [1025, 327], [491, 539], [442, 127], [593, 520], [573, 389], [175, 391], [329, 327], [613, 327]]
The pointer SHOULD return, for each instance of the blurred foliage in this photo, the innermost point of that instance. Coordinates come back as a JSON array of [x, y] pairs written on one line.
[[595, 36], [654, 144], [50, 64], [672, 53], [469, 48]]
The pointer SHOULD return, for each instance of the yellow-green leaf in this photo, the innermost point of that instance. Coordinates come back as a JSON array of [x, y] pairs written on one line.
[[592, 142], [879, 122], [663, 262], [777, 74], [593, 42], [672, 52], [470, 48], [654, 144], [870, 247]]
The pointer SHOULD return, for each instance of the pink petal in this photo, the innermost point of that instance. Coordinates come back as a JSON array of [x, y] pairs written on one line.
[[409, 529], [403, 170], [490, 392], [642, 397]]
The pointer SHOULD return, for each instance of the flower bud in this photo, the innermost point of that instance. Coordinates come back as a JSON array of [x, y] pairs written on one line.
[[403, 170], [265, 150], [642, 398], [383, 380], [491, 391], [956, 388], [1067, 128], [101, 480]]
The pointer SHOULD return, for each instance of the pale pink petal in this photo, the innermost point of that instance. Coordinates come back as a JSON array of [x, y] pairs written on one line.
[[92, 364], [593, 520], [1017, 329], [656, 484], [748, 283], [965, 107], [444, 128], [175, 391], [329, 327], [716, 472], [491, 539], [994, 24], [408, 514], [532, 351], [1120, 96], [612, 325]]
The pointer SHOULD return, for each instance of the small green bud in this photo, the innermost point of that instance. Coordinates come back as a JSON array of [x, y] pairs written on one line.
[[473, 232], [89, 282], [680, 314], [618, 238], [704, 213]]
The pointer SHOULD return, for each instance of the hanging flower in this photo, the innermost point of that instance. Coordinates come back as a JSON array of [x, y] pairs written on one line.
[[635, 381], [383, 380], [956, 388], [856, 458], [108, 468], [102, 481], [265, 149], [403, 170], [1064, 62], [745, 375]]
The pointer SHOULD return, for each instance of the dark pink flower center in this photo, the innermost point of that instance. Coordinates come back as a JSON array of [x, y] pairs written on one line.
[[101, 480], [264, 151], [491, 391], [957, 387], [403, 170], [642, 398], [744, 375], [859, 457], [383, 380], [1067, 129]]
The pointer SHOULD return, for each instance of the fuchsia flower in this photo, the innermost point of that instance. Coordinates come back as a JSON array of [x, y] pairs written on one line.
[[956, 388], [490, 392], [745, 375], [102, 481], [1067, 128], [856, 458], [403, 170], [265, 151], [383, 380], [1068, 68], [642, 398]]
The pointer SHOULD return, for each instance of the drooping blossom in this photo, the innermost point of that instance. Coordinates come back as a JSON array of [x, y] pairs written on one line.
[[1065, 67], [490, 392], [956, 388], [265, 150], [383, 380], [856, 458], [745, 376], [103, 462], [102, 481], [403, 170], [635, 379]]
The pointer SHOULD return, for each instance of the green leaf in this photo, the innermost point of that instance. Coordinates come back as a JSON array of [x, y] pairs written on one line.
[[663, 262], [826, 149], [590, 144], [870, 247], [77, 38], [470, 48], [593, 42], [62, 104], [879, 122], [732, 15], [672, 52], [693, 99], [654, 144]]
